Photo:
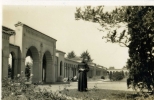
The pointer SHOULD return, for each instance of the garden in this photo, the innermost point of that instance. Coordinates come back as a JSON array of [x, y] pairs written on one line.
[[20, 89], [137, 35]]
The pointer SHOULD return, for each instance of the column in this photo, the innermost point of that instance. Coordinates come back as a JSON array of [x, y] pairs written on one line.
[[94, 71], [15, 67], [22, 66], [35, 70], [77, 70], [5, 67], [40, 70]]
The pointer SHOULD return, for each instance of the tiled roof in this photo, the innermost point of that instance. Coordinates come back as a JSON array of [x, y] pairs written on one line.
[[8, 30]]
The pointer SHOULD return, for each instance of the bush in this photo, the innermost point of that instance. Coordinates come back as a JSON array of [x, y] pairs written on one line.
[[102, 77], [20, 89], [117, 76]]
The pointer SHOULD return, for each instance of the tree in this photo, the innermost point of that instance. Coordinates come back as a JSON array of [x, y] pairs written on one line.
[[71, 55], [138, 36], [9, 71], [122, 73], [86, 54], [117, 76], [110, 75], [126, 74]]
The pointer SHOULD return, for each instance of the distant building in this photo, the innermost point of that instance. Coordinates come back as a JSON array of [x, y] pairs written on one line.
[[112, 69]]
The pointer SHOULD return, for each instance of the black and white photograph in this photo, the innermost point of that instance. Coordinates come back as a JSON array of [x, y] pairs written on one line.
[[77, 51]]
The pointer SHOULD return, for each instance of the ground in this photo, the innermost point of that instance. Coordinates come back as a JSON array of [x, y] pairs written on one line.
[[99, 84], [98, 90]]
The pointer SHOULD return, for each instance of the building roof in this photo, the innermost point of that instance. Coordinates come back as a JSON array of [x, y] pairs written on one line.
[[116, 69], [91, 63], [99, 66], [21, 24], [8, 30], [71, 60], [60, 51], [76, 58]]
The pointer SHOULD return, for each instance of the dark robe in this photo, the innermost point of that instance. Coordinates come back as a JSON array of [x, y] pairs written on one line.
[[82, 79]]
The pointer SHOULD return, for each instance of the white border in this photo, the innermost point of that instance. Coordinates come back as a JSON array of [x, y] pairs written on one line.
[[78, 2]]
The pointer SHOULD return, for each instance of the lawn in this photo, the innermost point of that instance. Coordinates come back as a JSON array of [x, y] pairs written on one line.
[[101, 94]]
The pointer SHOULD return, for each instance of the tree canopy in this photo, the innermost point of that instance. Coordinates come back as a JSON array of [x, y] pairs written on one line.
[[71, 55], [138, 35], [86, 54]]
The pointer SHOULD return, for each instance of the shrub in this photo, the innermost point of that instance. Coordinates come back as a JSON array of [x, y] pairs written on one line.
[[117, 76], [102, 77], [20, 89]]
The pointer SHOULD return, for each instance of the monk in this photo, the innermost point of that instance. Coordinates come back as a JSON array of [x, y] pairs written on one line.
[[83, 68]]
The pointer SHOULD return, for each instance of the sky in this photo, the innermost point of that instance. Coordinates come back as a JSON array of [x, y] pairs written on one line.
[[59, 23]]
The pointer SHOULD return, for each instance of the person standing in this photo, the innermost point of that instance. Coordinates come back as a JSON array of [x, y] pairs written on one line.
[[83, 68]]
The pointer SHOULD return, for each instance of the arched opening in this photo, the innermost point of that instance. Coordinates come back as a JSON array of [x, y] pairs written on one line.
[[11, 65], [61, 64], [32, 64], [28, 64], [46, 66]]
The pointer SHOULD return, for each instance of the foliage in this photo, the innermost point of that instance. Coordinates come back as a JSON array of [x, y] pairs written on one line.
[[102, 77], [9, 71], [117, 76], [20, 89], [86, 54], [27, 71], [122, 72], [16, 87], [109, 22], [110, 75], [102, 94], [137, 35], [126, 74], [71, 55], [141, 60], [29, 61]]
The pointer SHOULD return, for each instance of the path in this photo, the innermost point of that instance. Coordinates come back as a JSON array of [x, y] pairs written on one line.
[[100, 85]]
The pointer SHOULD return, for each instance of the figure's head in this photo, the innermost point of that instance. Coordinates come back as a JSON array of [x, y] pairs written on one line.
[[85, 59]]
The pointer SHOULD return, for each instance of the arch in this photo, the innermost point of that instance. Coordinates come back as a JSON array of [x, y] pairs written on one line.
[[61, 64], [46, 66], [34, 68]]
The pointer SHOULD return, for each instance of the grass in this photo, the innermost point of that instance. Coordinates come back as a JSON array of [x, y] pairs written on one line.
[[100, 94]]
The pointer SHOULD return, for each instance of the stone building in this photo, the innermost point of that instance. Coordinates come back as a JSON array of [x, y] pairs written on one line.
[[49, 64]]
